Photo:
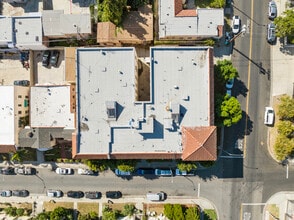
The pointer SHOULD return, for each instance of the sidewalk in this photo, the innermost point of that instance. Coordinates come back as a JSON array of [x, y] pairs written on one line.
[[279, 206]]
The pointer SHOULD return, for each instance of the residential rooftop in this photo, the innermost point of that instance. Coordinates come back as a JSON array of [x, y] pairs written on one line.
[[176, 22], [51, 107], [7, 127], [110, 120]]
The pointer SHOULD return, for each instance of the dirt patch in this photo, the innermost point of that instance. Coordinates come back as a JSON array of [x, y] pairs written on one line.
[[24, 205], [87, 207], [50, 206], [273, 131], [116, 206], [156, 207], [273, 211]]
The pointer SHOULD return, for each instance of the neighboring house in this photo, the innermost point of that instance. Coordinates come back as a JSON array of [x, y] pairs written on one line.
[[22, 32], [188, 24], [176, 123], [137, 29], [56, 24], [52, 116], [14, 113]]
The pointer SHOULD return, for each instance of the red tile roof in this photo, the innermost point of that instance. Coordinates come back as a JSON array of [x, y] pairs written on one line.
[[199, 143], [7, 148]]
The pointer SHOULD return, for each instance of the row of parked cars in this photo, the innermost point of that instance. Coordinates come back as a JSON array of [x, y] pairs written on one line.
[[50, 58], [157, 172], [59, 193], [22, 170]]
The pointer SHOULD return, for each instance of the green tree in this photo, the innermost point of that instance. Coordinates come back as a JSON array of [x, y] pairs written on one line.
[[286, 108], [109, 214], [89, 216], [135, 4], [184, 166], [43, 216], [168, 211], [20, 212], [217, 4], [225, 70], [230, 111], [61, 213], [285, 24], [192, 213], [126, 168], [283, 147], [286, 128], [178, 212], [129, 210], [112, 10], [10, 211]]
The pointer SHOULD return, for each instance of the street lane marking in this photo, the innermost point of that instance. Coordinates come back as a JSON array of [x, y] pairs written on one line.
[[248, 80]]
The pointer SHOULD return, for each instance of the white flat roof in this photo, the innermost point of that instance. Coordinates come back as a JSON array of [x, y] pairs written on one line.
[[5, 30], [179, 97], [50, 107], [28, 30], [204, 24], [7, 115]]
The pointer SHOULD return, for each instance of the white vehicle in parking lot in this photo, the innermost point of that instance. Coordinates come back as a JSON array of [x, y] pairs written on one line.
[[269, 116], [64, 171]]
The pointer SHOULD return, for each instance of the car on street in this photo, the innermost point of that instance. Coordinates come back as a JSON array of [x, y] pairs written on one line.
[[23, 170], [145, 171], [75, 194], [122, 173], [113, 194], [21, 83], [46, 58], [271, 33], [269, 116], [5, 193], [54, 193], [7, 171], [54, 58], [230, 83], [64, 171], [236, 24], [184, 173], [20, 193], [272, 10], [163, 172], [228, 38], [93, 195], [83, 171]]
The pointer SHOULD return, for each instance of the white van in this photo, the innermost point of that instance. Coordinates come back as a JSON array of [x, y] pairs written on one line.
[[269, 116], [156, 196]]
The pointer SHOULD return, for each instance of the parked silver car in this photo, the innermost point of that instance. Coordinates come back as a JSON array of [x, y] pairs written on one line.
[[54, 193], [5, 193], [272, 10], [23, 170], [271, 32]]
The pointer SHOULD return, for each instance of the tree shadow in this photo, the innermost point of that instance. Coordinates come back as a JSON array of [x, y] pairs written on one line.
[[240, 88]]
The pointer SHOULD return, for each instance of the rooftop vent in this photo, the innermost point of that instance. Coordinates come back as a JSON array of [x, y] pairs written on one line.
[[111, 109]]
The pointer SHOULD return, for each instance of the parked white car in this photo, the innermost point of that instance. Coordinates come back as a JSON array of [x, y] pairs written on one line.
[[54, 193], [236, 24], [64, 171], [23, 170], [82, 171], [269, 116]]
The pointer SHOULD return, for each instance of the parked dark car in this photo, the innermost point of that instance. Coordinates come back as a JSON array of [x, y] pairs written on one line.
[[46, 58], [54, 58], [113, 194], [20, 193], [75, 194], [93, 195], [7, 171], [21, 83], [146, 171]]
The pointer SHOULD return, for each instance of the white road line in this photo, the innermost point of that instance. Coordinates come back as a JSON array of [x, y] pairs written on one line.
[[198, 193]]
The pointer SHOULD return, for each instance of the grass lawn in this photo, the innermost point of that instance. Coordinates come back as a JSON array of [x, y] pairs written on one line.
[[117, 206], [203, 3], [209, 214], [86, 207], [50, 206]]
